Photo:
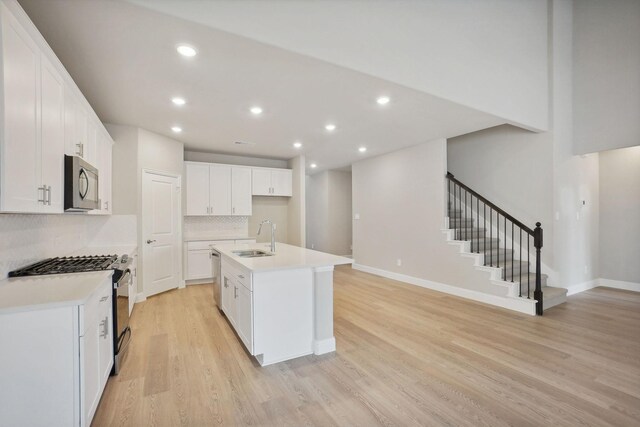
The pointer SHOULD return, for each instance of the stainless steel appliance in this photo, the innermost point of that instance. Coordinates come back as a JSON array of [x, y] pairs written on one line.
[[121, 281], [80, 185], [216, 264]]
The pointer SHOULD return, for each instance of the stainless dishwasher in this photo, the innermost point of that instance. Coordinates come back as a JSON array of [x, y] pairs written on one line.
[[216, 268]]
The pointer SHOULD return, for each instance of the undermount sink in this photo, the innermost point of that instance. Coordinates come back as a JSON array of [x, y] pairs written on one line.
[[253, 253]]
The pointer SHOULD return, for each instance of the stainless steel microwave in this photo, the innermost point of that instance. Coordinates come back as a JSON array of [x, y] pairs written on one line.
[[80, 185]]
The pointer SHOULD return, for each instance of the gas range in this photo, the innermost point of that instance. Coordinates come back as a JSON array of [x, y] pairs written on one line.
[[63, 265], [122, 281]]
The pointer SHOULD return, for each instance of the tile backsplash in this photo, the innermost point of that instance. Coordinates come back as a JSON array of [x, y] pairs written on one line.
[[220, 226], [25, 238]]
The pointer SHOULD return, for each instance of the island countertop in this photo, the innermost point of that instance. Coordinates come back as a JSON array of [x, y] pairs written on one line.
[[286, 257]]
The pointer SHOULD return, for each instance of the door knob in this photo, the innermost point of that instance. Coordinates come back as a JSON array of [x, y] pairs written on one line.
[[150, 241]]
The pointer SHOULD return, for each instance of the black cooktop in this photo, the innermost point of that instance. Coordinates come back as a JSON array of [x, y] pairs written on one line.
[[62, 265]]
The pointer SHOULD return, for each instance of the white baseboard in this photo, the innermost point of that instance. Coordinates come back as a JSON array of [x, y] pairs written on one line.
[[581, 287], [619, 284], [616, 284], [140, 297], [324, 346], [517, 304]]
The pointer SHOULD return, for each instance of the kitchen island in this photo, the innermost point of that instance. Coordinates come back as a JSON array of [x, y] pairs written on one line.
[[281, 304]]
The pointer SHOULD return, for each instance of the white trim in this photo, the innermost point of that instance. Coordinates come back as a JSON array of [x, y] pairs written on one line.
[[620, 284], [581, 287], [521, 305], [326, 345], [140, 297], [322, 269]]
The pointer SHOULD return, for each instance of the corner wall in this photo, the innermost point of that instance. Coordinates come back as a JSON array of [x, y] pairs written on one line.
[[329, 205], [620, 215]]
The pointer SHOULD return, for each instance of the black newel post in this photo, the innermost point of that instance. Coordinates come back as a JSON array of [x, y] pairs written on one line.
[[537, 294]]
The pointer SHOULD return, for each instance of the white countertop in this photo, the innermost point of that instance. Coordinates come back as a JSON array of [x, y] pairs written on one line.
[[56, 290], [286, 257], [106, 250], [210, 236]]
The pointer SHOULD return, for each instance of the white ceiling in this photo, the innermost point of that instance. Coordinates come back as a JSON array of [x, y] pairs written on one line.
[[123, 58]]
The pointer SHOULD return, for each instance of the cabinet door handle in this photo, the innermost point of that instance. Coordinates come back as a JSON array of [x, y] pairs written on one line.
[[235, 292], [104, 298], [105, 331], [106, 204], [49, 195], [233, 210], [149, 241], [241, 276], [44, 195]]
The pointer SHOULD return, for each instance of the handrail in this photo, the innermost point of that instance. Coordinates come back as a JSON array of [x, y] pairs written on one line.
[[490, 203], [490, 247]]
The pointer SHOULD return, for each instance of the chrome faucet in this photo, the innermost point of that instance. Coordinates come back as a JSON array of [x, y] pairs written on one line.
[[273, 233]]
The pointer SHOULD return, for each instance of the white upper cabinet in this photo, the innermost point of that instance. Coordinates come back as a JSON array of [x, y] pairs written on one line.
[[197, 188], [104, 152], [33, 136], [241, 191], [261, 178], [216, 189], [220, 189], [52, 138], [271, 182], [44, 117]]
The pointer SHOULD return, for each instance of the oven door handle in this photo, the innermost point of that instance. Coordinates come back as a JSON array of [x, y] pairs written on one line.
[[125, 279]]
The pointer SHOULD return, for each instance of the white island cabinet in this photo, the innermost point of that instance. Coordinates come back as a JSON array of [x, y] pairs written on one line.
[[57, 348], [281, 305]]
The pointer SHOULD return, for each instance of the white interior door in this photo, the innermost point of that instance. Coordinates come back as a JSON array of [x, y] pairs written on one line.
[[161, 224]]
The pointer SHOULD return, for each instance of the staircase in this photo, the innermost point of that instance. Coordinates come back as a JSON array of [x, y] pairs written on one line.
[[507, 248]]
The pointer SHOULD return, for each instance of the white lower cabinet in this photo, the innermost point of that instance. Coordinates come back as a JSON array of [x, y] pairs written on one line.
[[272, 311], [237, 302], [56, 362], [198, 263]]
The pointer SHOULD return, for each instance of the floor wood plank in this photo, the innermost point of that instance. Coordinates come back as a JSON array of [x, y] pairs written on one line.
[[406, 356]]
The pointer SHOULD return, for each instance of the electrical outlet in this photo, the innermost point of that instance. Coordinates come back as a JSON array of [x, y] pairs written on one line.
[[586, 269], [356, 216], [399, 262], [313, 246]]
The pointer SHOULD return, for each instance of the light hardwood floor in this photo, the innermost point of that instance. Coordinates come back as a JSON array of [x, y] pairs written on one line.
[[406, 356]]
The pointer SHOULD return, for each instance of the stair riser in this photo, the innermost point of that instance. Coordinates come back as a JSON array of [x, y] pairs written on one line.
[[523, 286], [491, 257], [457, 223]]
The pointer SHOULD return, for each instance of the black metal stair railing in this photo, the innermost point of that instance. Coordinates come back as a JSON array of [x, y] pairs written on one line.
[[461, 211]]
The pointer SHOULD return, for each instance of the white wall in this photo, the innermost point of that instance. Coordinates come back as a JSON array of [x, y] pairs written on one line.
[[620, 214], [606, 73], [274, 208], [125, 168], [513, 168], [487, 54], [575, 177], [136, 149], [198, 156], [329, 204]]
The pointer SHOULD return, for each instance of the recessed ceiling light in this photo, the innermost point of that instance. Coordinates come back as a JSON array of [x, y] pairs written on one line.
[[186, 50], [383, 100], [362, 149], [297, 144], [176, 129], [178, 101], [313, 165], [256, 110], [330, 127]]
